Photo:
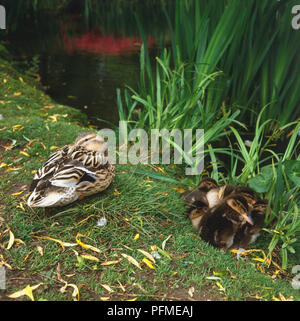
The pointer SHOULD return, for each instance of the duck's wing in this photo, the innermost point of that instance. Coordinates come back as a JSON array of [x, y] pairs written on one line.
[[49, 167], [72, 174], [89, 159]]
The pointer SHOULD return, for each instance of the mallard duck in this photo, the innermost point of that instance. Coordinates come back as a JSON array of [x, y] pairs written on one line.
[[220, 224], [72, 172], [248, 233]]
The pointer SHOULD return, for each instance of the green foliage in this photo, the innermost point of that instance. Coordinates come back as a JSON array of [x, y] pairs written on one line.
[[258, 58]]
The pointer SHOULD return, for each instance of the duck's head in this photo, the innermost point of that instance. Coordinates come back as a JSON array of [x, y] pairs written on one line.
[[240, 205], [248, 194], [207, 184], [261, 206], [91, 141]]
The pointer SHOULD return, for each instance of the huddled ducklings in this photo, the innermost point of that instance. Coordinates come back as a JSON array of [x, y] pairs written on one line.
[[221, 223], [226, 216]]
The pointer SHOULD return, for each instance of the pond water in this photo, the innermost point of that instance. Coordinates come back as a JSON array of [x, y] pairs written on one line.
[[81, 64]]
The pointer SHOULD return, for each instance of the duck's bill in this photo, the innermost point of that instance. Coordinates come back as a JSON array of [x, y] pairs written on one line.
[[247, 218]]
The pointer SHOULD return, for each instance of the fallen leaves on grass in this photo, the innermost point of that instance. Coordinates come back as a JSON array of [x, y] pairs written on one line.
[[61, 243], [40, 250], [180, 190], [108, 288], [11, 240], [110, 262], [75, 293], [90, 257], [132, 260], [282, 298], [148, 255], [16, 194], [148, 263], [3, 262], [86, 246], [24, 153], [26, 291], [17, 127]]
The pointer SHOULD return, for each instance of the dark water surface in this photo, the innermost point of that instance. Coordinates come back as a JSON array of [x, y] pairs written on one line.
[[82, 66]]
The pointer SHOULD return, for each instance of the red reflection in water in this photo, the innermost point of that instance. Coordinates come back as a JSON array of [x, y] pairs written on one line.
[[110, 45]]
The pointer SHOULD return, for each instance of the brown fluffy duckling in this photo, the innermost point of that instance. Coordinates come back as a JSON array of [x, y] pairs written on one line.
[[248, 233], [198, 197], [196, 215], [220, 224]]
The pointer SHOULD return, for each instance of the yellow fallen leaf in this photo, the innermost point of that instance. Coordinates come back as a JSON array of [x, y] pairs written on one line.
[[40, 250], [116, 192], [3, 262], [21, 207], [148, 255], [11, 240], [134, 299], [17, 127], [63, 289], [27, 256], [16, 194], [161, 170], [180, 190], [258, 259], [19, 241], [89, 257], [219, 285], [3, 165], [11, 169], [86, 246], [62, 244], [121, 286], [5, 80], [75, 293], [110, 262], [131, 260], [104, 298], [108, 288], [53, 147], [21, 79], [136, 236], [26, 291], [148, 263], [24, 153], [153, 248], [18, 94], [191, 291]]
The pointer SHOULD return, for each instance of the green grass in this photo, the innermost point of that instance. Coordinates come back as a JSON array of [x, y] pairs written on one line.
[[135, 204]]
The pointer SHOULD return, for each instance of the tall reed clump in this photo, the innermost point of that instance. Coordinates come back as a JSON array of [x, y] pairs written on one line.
[[254, 45]]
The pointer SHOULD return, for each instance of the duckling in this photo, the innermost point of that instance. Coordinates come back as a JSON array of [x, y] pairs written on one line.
[[73, 171], [220, 224], [196, 214], [248, 233], [199, 195]]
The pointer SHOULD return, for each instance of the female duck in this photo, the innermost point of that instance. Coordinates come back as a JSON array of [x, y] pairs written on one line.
[[73, 171]]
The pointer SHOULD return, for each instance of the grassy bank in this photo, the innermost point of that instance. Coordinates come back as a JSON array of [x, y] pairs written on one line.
[[49, 247]]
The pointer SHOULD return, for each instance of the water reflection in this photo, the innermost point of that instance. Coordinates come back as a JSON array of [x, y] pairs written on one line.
[[82, 61]]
